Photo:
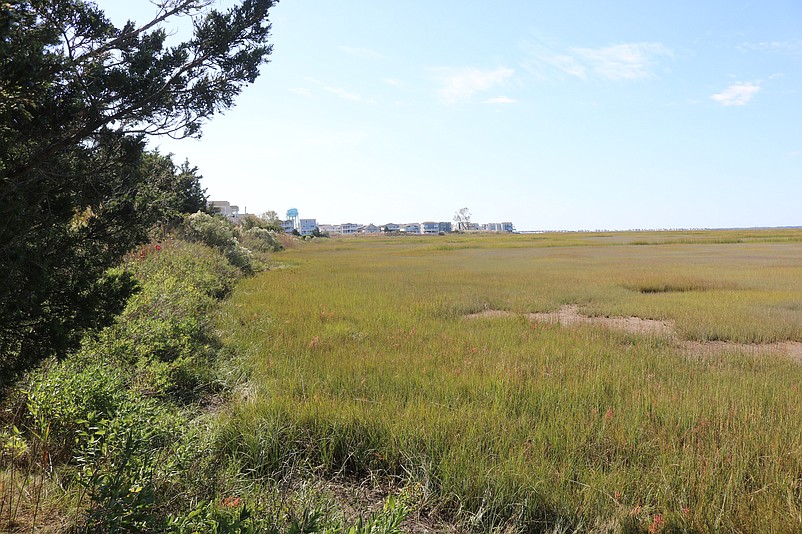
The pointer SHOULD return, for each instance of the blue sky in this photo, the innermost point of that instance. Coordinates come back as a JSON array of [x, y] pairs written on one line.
[[553, 115]]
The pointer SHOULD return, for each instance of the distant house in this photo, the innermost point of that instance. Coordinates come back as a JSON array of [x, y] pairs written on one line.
[[307, 226], [288, 225], [349, 228], [499, 227], [391, 227], [430, 228], [444, 227], [411, 228], [224, 208], [370, 229]]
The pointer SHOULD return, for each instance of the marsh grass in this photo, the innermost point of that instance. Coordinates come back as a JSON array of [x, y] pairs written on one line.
[[363, 367]]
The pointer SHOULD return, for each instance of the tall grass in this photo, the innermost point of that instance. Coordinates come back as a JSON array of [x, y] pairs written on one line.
[[364, 366]]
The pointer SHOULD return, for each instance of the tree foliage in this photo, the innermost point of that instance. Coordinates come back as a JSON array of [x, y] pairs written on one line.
[[78, 99], [264, 221], [173, 190], [462, 218]]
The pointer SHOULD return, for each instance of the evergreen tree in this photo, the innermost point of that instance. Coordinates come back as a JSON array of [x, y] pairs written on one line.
[[78, 99]]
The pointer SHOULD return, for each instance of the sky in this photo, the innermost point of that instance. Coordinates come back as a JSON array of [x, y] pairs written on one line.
[[565, 115]]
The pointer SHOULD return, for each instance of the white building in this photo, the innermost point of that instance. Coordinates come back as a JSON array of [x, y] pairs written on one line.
[[224, 208], [370, 229], [430, 228], [411, 228], [499, 227], [349, 228]]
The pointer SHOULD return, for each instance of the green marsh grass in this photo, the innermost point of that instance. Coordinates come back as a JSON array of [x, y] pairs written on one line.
[[365, 367]]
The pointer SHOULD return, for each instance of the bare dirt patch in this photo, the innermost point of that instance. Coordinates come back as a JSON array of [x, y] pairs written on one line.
[[791, 349], [489, 314], [569, 315]]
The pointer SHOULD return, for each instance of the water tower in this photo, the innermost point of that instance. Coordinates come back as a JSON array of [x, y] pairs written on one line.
[[292, 215]]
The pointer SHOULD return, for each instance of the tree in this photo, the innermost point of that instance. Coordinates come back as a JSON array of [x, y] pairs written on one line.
[[170, 189], [263, 221], [78, 190], [462, 218], [271, 216]]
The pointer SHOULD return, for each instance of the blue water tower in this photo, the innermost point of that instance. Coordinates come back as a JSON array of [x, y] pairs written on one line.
[[292, 215]]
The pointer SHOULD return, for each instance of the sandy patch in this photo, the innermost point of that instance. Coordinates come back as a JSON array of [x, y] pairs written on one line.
[[569, 315], [791, 349], [489, 314]]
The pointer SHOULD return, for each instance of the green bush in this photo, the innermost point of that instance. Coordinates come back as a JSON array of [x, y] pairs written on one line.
[[106, 417], [220, 234], [163, 335], [201, 266], [59, 397], [261, 240], [104, 437]]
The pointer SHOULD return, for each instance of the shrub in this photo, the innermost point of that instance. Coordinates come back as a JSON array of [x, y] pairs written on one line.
[[220, 234], [104, 418], [261, 240], [104, 437]]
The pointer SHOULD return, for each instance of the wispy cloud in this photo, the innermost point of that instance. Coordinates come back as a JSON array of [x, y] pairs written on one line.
[[737, 94], [364, 53], [499, 100], [337, 91], [789, 46], [632, 61], [627, 61], [568, 65], [460, 84]]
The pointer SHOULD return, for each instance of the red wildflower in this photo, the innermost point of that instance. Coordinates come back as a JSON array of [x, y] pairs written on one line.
[[657, 524], [231, 502]]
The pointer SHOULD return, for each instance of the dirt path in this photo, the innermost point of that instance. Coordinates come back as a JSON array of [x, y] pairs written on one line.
[[569, 315]]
